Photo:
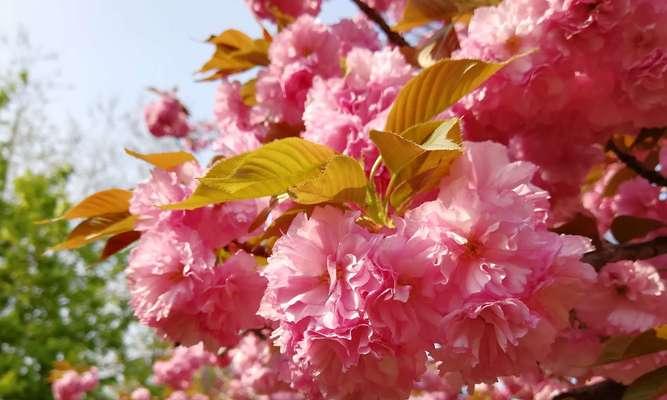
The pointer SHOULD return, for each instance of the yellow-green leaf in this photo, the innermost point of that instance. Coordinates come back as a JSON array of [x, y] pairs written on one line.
[[96, 228], [420, 12], [164, 160], [649, 386], [627, 227], [248, 93], [341, 180], [435, 89], [418, 158], [108, 201], [619, 348], [87, 227], [235, 52], [268, 171]]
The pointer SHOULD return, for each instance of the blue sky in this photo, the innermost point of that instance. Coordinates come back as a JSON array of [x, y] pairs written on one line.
[[117, 48]]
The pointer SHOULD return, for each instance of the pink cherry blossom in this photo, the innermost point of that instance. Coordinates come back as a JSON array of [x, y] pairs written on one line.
[[259, 366], [166, 116], [72, 385], [319, 276], [509, 284], [266, 9], [238, 133], [140, 394], [229, 300], [177, 371], [629, 298], [601, 69], [162, 188], [356, 32], [304, 50], [162, 274], [216, 225], [340, 112]]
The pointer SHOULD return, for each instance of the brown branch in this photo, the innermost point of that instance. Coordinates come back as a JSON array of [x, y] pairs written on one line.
[[393, 36], [634, 164], [638, 251], [608, 390]]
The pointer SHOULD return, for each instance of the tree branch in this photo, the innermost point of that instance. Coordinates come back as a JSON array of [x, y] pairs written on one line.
[[608, 390], [634, 164], [394, 37], [638, 251]]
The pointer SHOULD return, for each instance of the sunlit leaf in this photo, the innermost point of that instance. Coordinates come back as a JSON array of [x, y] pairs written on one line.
[[420, 12], [77, 237], [268, 171], [248, 93], [440, 45], [235, 52], [108, 201], [627, 227], [96, 228], [164, 160], [418, 158], [341, 180], [649, 386], [435, 89]]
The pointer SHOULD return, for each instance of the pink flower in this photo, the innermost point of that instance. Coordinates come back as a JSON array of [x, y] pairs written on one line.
[[72, 385], [508, 284], [228, 303], [259, 366], [394, 8], [356, 32], [162, 274], [304, 50], [573, 353], [238, 134], [340, 112], [177, 371], [485, 340], [162, 188], [600, 65], [637, 197], [407, 308], [629, 298], [140, 394], [216, 225], [320, 275], [271, 9], [167, 116], [318, 270]]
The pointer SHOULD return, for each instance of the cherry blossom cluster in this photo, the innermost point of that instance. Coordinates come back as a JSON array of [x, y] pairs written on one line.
[[72, 385], [178, 370], [594, 68], [177, 282], [471, 292]]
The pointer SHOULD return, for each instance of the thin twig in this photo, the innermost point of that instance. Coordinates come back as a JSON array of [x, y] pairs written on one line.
[[634, 164], [639, 251], [393, 36]]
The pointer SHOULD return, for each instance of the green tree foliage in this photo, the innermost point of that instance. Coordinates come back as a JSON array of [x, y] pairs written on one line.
[[51, 306]]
